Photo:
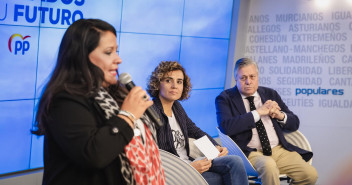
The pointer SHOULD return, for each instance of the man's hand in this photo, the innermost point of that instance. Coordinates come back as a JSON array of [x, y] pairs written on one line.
[[201, 165], [223, 151], [265, 109], [275, 111], [272, 109]]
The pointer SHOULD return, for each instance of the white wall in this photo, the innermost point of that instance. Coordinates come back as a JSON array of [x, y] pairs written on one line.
[[29, 178], [325, 118]]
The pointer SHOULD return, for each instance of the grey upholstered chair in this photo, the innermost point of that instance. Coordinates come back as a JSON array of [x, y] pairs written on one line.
[[295, 138], [178, 172]]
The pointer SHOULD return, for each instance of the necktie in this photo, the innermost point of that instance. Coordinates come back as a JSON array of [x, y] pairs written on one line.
[[263, 137]]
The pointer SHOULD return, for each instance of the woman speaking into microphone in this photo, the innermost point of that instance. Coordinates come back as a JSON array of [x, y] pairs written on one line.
[[94, 131]]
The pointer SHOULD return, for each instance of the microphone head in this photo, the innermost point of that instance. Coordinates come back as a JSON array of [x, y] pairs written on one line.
[[125, 78]]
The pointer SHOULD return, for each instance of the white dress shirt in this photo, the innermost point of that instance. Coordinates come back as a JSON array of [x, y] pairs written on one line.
[[270, 130]]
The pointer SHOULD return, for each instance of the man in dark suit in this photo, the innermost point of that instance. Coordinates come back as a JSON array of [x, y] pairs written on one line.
[[239, 117]]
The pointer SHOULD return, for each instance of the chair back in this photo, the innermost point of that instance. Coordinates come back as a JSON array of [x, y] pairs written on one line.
[[194, 151], [178, 172], [298, 139], [234, 149]]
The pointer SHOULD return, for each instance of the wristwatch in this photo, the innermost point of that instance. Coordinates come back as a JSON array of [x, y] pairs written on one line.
[[282, 118]]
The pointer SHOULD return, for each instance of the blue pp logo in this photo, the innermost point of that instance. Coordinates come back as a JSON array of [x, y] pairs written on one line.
[[21, 45]]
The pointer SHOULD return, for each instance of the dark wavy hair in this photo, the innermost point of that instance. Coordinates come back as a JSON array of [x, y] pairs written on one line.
[[153, 86], [74, 72]]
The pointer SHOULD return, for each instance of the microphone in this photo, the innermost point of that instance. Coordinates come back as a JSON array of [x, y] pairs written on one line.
[[126, 80]]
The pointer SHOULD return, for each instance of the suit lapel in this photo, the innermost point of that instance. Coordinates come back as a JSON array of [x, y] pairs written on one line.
[[165, 131], [237, 101], [262, 95], [179, 117]]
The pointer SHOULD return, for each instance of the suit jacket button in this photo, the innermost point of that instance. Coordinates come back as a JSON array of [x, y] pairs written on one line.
[[115, 130]]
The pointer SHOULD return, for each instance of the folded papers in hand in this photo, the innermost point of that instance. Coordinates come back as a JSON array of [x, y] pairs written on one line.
[[207, 147]]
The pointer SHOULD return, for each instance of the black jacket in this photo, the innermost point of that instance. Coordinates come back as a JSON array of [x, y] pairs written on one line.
[[80, 146], [189, 129], [234, 121]]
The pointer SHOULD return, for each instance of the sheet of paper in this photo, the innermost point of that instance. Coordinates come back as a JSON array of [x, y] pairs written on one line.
[[207, 147]]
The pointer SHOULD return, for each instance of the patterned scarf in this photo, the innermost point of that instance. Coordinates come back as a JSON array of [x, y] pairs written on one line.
[[111, 108]]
